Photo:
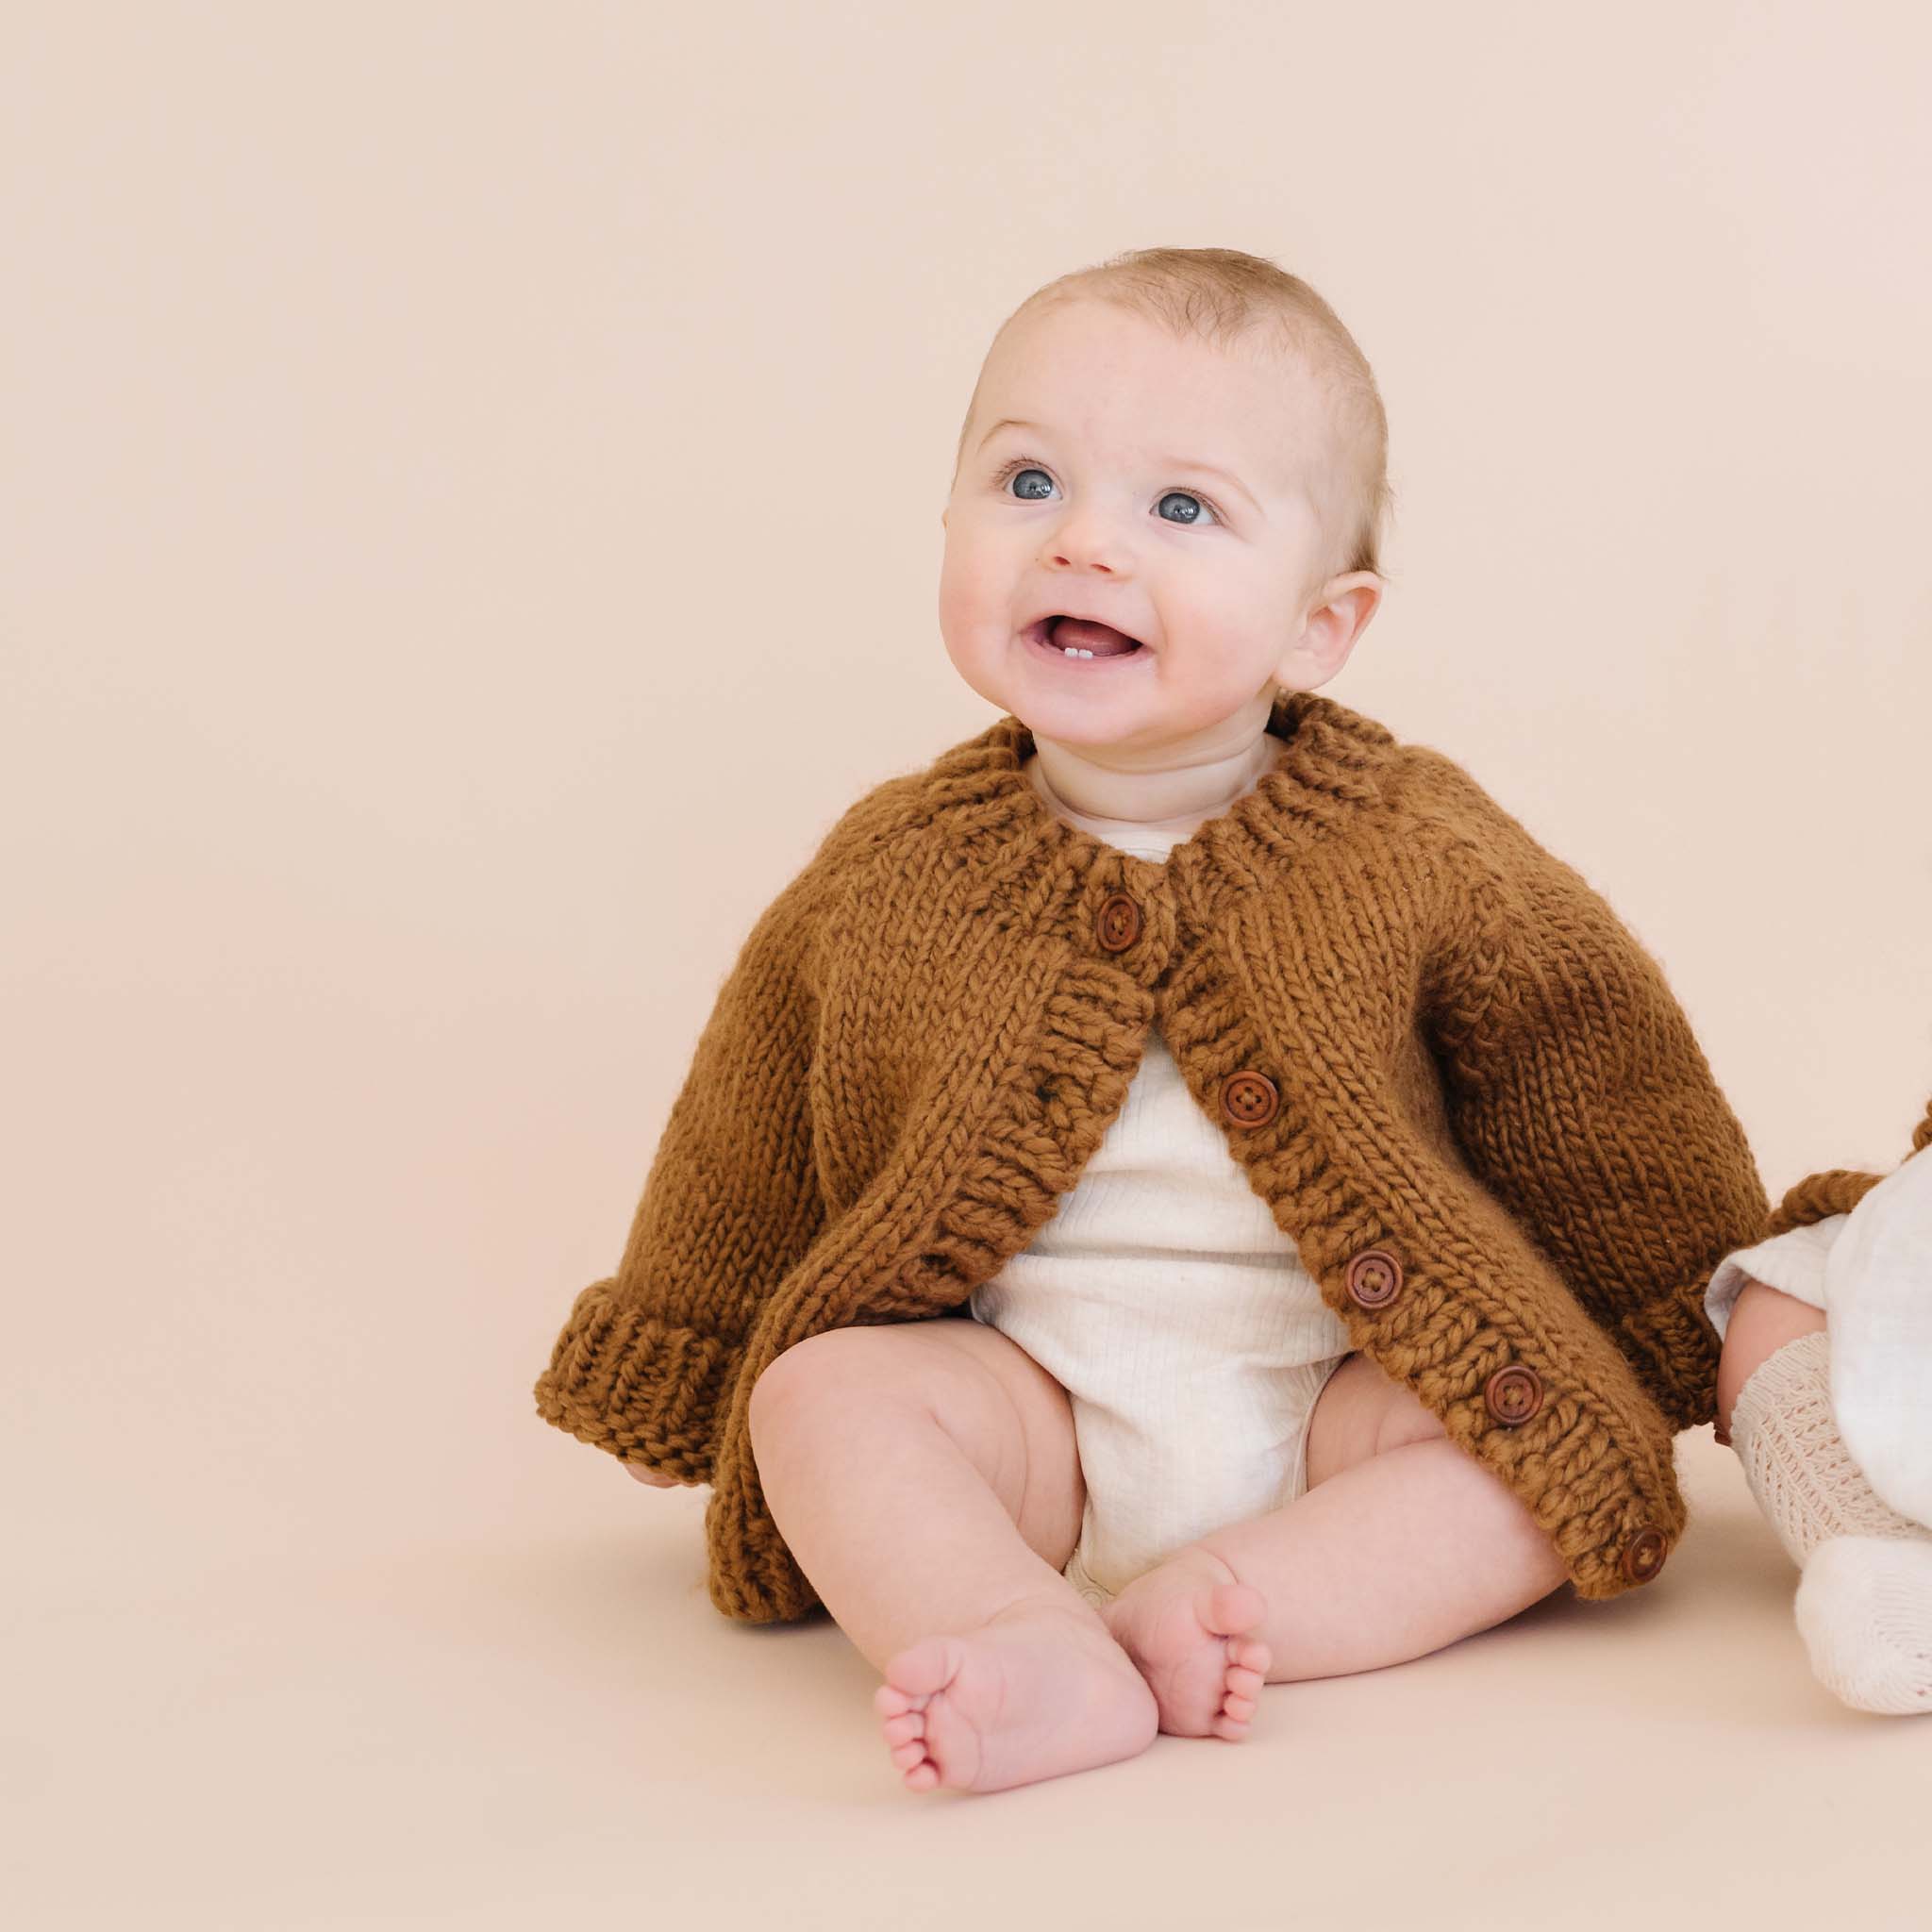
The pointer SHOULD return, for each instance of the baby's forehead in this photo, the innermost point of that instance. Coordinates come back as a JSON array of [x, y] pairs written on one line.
[[1285, 453], [1261, 394]]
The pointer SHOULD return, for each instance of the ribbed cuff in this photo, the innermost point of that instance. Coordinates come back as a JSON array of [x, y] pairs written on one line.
[[628, 1382], [1675, 1349]]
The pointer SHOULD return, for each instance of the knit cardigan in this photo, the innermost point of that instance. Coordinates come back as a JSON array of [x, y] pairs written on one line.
[[1462, 1086]]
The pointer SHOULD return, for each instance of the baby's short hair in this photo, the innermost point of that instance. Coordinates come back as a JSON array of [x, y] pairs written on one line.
[[1223, 296]]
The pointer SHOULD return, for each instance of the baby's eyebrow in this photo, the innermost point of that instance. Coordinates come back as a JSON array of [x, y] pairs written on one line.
[[1226, 476]]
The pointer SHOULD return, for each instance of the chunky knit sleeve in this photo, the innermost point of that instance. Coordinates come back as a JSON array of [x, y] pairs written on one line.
[[1582, 1099], [729, 1206]]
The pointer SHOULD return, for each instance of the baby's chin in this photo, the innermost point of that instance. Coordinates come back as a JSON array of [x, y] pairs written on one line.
[[1067, 697]]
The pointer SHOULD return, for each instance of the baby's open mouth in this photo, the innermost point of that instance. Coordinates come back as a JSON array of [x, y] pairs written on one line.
[[1079, 639]]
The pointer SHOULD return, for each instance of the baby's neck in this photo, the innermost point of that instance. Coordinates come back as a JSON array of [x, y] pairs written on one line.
[[1165, 804]]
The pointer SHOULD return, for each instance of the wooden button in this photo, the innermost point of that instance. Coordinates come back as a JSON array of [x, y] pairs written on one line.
[[1513, 1394], [1643, 1554], [1249, 1100], [1119, 924], [1374, 1278]]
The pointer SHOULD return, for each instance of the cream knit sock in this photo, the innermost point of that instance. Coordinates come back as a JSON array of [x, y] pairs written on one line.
[[1864, 1603], [1864, 1610]]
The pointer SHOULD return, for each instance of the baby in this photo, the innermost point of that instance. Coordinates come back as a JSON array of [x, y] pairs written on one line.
[[1833, 1423], [1183, 1193]]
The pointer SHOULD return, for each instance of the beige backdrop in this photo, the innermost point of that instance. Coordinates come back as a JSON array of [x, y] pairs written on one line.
[[469, 482]]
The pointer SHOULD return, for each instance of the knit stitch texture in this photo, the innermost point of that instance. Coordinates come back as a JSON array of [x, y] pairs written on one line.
[[1479, 1112], [1795, 1462]]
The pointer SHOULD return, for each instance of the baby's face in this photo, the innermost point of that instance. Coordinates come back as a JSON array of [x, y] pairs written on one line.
[[1164, 488]]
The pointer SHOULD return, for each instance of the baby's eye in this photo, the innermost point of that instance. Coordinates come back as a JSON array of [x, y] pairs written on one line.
[[1035, 484], [1185, 496]]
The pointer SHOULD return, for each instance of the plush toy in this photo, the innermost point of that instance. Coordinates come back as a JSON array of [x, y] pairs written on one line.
[[1834, 1425]]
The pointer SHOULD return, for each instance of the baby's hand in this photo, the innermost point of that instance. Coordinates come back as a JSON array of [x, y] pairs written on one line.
[[651, 1477]]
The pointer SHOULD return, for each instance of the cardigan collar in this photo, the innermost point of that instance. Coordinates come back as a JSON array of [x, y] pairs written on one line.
[[1330, 766]]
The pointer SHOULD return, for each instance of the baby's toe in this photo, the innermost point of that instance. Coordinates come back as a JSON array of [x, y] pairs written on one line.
[[1239, 1708], [890, 1701], [1250, 1654], [903, 1730], [1243, 1683], [1233, 1609]]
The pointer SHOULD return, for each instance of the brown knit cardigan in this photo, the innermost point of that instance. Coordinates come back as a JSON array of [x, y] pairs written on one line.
[[1464, 1087]]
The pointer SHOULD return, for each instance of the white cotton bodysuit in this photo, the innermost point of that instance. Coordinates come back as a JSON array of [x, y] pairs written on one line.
[[1192, 1341]]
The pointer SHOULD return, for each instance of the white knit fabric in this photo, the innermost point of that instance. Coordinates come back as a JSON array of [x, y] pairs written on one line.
[[1864, 1610], [1795, 1460], [1192, 1341], [1864, 1602]]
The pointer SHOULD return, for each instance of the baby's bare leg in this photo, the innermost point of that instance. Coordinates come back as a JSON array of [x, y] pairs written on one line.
[[923, 1473], [1762, 1320], [1401, 1544], [925, 1476]]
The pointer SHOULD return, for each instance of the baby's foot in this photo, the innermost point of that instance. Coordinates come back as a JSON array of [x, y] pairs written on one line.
[[1038, 1691], [1184, 1624], [1864, 1610]]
